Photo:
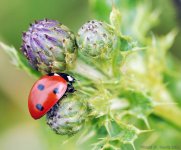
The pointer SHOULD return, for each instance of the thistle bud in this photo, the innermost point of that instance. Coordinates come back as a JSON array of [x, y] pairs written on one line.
[[49, 46], [67, 116], [96, 39]]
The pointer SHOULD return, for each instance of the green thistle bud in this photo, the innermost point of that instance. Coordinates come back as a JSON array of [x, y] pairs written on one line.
[[67, 116], [96, 39], [49, 46]]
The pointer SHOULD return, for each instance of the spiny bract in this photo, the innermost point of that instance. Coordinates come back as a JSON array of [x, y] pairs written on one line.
[[49, 46], [96, 38]]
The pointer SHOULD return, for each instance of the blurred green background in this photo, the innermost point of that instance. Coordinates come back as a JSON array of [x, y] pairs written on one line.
[[17, 129]]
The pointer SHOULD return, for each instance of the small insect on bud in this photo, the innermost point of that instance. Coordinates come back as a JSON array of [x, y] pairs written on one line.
[[67, 117], [96, 39], [49, 46]]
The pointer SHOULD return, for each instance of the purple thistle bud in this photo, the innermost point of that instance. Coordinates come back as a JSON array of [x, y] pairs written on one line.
[[49, 46]]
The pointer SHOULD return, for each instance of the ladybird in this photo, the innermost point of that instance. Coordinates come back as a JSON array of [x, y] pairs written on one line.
[[47, 91]]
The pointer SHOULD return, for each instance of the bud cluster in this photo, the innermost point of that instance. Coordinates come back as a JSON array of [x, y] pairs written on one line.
[[51, 47]]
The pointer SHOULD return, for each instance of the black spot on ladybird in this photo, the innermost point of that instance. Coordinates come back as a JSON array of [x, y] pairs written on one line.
[[41, 87], [39, 107], [55, 91]]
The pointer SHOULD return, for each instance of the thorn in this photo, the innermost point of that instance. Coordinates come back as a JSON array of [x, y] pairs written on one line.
[[68, 140], [146, 122], [164, 103], [113, 4], [46, 36], [132, 144], [24, 33], [51, 48], [139, 48], [145, 131]]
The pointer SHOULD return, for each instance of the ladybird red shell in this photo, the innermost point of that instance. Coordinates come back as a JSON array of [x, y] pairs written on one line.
[[45, 93]]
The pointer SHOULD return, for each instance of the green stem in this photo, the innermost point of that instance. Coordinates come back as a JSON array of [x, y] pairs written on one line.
[[88, 71], [171, 114], [168, 110], [99, 65]]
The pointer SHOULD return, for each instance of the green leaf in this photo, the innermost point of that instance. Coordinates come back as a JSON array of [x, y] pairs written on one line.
[[102, 8], [119, 134], [141, 105], [18, 60], [115, 19], [126, 43]]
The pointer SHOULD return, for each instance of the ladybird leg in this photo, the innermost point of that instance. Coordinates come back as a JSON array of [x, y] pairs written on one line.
[[70, 88], [65, 95]]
